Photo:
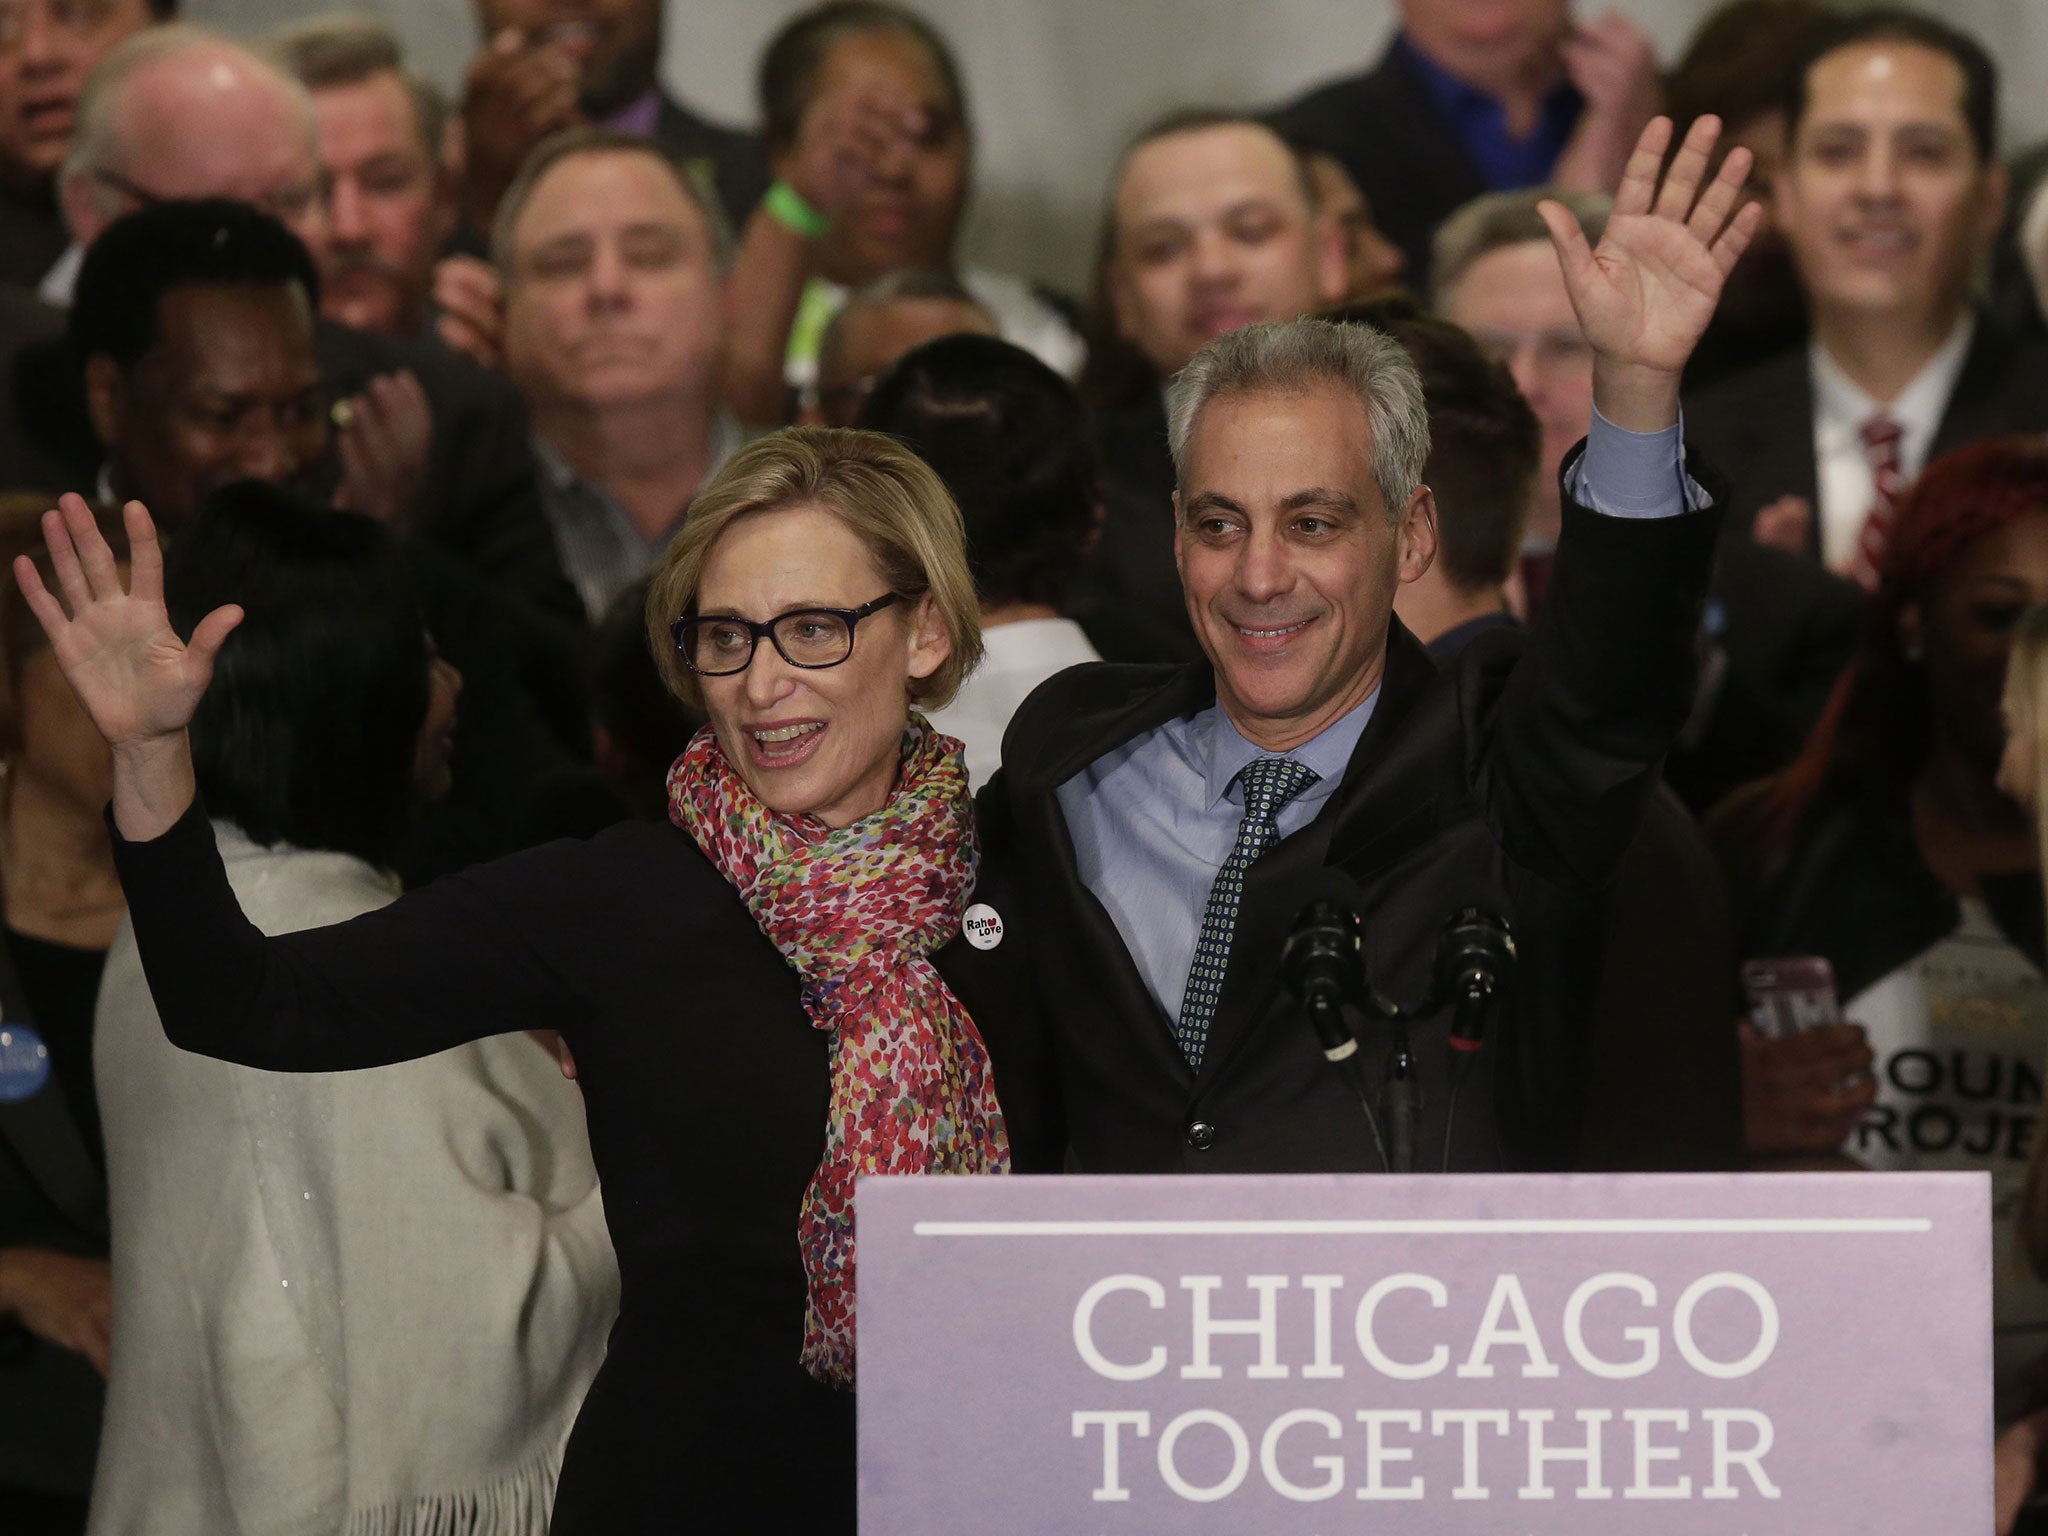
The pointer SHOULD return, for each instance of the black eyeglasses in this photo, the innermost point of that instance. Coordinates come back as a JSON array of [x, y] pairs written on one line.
[[286, 204], [720, 644]]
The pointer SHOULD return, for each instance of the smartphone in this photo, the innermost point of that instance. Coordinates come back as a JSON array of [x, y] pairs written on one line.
[[1790, 994]]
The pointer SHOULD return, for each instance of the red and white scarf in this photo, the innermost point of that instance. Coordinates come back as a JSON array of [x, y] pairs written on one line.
[[858, 910]]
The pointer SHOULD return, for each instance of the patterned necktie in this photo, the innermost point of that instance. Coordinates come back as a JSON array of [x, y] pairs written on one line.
[[1269, 783], [1881, 435]]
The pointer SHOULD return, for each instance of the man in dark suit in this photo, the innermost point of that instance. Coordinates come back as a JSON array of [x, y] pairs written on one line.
[[1169, 820], [1471, 99], [178, 112], [547, 65], [1891, 195]]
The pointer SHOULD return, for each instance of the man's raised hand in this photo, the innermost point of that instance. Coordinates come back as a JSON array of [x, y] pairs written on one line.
[[1645, 294]]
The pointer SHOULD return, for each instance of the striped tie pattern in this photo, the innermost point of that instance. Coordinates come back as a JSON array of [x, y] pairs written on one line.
[[1881, 435], [1269, 783]]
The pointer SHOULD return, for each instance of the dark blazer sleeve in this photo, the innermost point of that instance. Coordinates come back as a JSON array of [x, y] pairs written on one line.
[[481, 502], [1585, 719], [451, 963]]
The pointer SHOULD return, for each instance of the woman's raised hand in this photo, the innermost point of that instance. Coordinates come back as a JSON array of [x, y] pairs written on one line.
[[137, 679]]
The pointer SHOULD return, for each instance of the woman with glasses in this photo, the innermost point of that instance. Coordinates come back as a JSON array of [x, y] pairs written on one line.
[[764, 998]]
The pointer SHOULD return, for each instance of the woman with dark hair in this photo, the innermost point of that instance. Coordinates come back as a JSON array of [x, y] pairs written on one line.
[[1888, 849], [865, 122], [767, 996], [366, 1303], [1006, 435]]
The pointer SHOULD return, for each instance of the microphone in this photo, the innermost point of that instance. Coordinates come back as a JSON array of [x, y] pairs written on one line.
[[1323, 964], [1475, 961]]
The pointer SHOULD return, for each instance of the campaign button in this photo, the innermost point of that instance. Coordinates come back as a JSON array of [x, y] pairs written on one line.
[[24, 1063], [983, 926]]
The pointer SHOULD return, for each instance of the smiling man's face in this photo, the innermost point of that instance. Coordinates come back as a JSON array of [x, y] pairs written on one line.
[[1213, 232], [1289, 560], [1887, 200]]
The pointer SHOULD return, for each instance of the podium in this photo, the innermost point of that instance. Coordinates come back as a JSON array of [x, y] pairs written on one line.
[[1754, 1355]]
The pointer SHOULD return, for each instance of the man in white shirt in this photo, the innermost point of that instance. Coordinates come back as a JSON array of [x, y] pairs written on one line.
[[1891, 194]]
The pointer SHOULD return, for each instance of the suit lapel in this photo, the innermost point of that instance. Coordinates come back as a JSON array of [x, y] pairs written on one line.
[[1975, 405], [1782, 461], [44, 1139], [1180, 691]]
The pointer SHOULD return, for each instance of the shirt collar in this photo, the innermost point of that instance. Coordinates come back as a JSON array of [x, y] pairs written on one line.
[[61, 281], [1464, 100], [1446, 87], [727, 438], [1843, 404], [1228, 752]]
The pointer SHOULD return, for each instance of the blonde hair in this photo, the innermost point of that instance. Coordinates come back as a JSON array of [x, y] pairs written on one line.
[[889, 497], [2026, 692]]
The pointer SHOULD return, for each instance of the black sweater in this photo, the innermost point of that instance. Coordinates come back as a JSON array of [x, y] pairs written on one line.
[[706, 1089]]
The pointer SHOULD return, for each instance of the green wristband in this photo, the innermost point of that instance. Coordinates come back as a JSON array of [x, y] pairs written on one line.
[[788, 207]]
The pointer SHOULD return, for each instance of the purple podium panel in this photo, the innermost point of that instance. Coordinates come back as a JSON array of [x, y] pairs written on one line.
[[1764, 1355]]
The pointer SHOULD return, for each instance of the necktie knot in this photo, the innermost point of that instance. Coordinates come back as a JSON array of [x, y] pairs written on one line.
[[1269, 783], [1881, 435]]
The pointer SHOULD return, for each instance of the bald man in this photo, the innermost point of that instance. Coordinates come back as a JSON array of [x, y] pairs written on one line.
[[180, 112]]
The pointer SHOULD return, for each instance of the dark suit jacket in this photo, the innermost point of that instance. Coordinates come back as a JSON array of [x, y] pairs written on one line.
[[1758, 424], [1515, 781], [53, 1194], [1663, 1085], [1778, 632], [488, 577], [734, 160], [32, 233], [1388, 131], [1128, 597]]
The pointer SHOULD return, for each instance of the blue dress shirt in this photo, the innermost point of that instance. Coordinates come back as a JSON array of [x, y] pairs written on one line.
[[1153, 820], [1502, 160]]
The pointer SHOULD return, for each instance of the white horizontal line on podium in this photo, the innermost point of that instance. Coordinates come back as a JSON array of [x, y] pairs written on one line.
[[1455, 1227]]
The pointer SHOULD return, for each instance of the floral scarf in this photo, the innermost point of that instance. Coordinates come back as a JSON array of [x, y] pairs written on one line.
[[857, 911]]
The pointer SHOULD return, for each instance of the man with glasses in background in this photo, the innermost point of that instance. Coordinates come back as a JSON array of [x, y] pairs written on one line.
[[47, 48], [1776, 632]]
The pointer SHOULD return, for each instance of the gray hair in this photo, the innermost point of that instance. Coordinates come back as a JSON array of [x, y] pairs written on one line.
[[692, 178], [1501, 219], [1296, 355], [96, 141], [339, 49]]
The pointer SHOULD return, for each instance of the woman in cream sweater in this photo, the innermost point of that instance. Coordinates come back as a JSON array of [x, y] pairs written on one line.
[[366, 1302]]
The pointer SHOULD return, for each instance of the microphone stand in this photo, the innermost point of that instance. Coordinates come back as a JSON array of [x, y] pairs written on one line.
[[1340, 1049], [1402, 1094]]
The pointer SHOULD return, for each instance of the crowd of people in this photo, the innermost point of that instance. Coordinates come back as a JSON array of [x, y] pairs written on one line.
[[535, 615]]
